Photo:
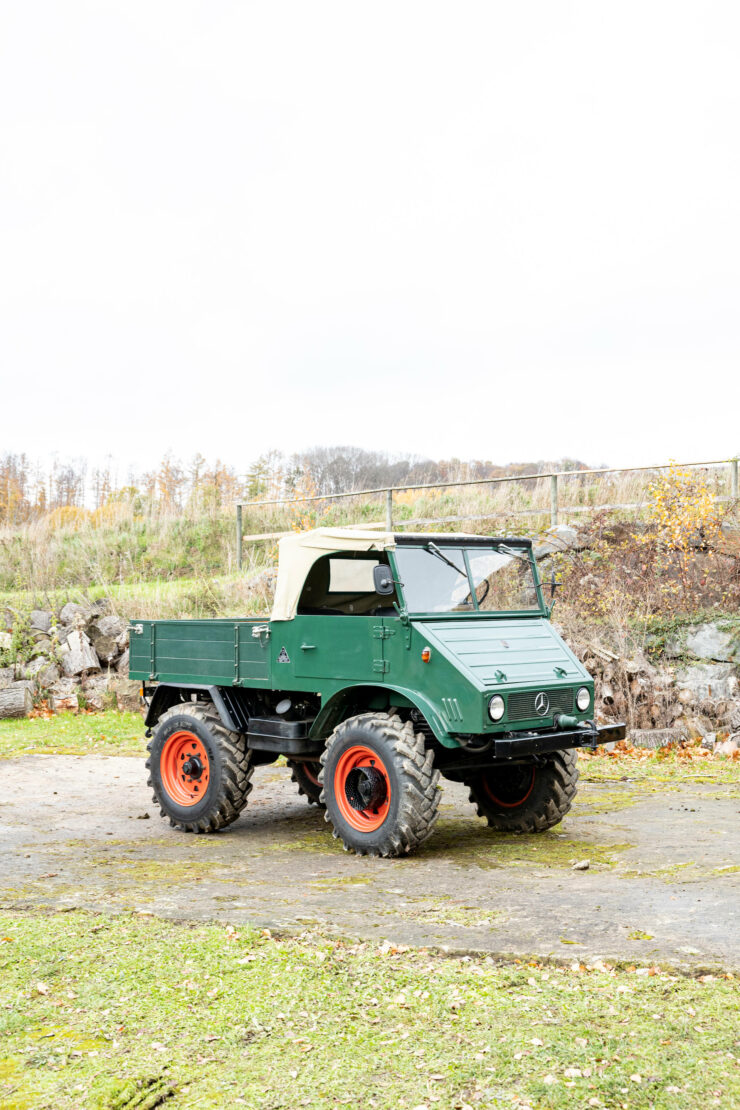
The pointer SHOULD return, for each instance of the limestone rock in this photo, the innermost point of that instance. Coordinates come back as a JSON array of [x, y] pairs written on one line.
[[43, 646], [709, 641], [127, 693], [79, 655], [122, 664], [562, 537], [71, 612], [42, 672], [95, 688], [7, 677], [106, 649], [111, 626], [40, 620], [63, 687], [6, 641], [714, 681]]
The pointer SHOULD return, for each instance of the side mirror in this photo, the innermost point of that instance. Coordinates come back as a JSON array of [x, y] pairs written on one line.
[[383, 580], [553, 586]]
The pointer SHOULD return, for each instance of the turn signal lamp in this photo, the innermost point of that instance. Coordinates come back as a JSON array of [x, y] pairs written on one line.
[[426, 654]]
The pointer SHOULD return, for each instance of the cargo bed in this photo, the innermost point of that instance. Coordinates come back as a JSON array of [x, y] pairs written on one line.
[[224, 652]]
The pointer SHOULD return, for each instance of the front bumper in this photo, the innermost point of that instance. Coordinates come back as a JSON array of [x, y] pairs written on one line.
[[513, 745]]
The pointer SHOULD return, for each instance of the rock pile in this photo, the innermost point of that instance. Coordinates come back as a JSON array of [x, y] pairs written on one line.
[[77, 657]]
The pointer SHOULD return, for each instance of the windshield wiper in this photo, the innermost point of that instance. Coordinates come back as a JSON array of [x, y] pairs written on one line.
[[434, 550], [511, 551]]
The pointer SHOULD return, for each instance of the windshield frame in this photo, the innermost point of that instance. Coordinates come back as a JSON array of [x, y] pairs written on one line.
[[470, 544]]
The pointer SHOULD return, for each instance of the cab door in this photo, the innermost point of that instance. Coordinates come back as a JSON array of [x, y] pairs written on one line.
[[339, 646]]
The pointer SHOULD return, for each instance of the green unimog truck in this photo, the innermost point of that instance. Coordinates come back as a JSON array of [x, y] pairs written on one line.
[[387, 662]]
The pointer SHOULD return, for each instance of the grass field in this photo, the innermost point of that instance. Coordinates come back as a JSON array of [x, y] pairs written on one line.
[[138, 1012], [109, 733]]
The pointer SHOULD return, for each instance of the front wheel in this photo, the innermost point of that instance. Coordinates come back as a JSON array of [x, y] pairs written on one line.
[[200, 771], [526, 797], [379, 785]]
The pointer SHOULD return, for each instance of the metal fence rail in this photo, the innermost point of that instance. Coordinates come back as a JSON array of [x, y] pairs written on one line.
[[555, 507]]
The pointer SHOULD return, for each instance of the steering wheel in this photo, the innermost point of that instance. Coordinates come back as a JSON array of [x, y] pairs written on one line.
[[487, 583]]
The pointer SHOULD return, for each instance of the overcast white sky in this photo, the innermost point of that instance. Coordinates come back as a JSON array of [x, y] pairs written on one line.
[[507, 230]]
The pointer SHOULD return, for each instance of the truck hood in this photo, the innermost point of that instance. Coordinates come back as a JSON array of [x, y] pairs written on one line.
[[524, 650]]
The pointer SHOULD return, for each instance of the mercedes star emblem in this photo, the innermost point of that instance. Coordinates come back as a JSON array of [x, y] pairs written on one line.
[[542, 703]]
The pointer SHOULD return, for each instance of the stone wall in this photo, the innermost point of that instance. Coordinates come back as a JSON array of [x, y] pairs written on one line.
[[71, 658]]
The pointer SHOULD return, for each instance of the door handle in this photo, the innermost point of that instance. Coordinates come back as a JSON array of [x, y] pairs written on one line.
[[308, 647]]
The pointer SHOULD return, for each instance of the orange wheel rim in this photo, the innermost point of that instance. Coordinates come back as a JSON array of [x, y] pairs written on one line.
[[185, 768], [362, 788], [515, 797]]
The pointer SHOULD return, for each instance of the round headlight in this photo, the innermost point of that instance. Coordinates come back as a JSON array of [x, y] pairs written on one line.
[[583, 699], [496, 707]]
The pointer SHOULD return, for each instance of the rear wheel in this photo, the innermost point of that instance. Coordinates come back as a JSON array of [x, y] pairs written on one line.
[[200, 771], [306, 777], [379, 785], [526, 797]]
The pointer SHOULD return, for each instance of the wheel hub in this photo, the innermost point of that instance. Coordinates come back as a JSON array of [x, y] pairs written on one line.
[[366, 788], [193, 767]]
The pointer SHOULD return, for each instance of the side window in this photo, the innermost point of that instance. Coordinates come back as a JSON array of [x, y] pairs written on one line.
[[352, 576], [344, 585]]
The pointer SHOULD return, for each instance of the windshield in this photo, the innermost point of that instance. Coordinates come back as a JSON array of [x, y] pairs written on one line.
[[466, 579]]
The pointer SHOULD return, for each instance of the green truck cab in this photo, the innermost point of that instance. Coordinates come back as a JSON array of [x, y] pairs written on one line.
[[387, 662]]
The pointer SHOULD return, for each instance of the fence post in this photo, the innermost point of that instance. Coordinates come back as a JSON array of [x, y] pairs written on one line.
[[553, 500], [389, 510], [733, 479], [238, 537]]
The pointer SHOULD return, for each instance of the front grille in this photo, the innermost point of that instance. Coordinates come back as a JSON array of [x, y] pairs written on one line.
[[521, 707]]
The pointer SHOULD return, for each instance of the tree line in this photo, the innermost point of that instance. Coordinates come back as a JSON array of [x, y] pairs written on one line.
[[29, 490]]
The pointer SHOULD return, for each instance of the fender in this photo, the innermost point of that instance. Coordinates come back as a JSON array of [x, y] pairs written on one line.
[[167, 694], [333, 710]]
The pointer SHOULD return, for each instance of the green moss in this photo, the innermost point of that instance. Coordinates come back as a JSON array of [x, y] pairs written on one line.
[[465, 842], [169, 871], [606, 801], [337, 882]]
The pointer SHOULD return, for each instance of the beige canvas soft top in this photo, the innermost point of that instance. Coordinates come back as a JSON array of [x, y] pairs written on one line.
[[298, 553]]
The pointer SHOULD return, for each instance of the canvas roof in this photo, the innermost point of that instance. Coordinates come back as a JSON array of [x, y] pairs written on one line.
[[298, 553]]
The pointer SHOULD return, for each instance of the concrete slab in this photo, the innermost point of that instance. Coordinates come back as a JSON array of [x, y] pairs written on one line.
[[662, 886]]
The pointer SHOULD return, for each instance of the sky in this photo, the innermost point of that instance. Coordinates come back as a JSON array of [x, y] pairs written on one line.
[[494, 230]]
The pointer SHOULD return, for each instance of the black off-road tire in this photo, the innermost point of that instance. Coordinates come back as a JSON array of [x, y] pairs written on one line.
[[528, 798], [412, 798], [229, 769], [306, 777]]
